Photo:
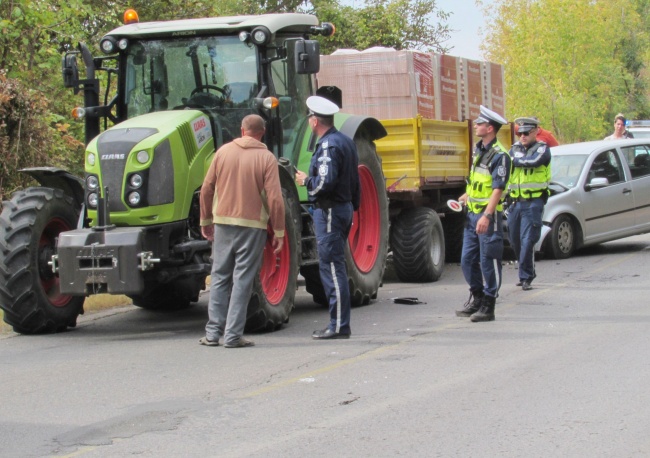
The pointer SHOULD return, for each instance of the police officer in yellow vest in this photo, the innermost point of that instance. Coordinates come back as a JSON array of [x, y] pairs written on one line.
[[528, 192], [483, 236]]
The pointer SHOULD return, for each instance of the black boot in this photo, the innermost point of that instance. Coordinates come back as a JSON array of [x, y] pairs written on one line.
[[486, 313], [470, 306]]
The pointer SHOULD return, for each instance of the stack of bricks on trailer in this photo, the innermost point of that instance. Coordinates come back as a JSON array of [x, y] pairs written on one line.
[[389, 84]]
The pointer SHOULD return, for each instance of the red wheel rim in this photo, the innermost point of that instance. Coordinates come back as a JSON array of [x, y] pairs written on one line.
[[46, 247], [366, 224], [275, 269]]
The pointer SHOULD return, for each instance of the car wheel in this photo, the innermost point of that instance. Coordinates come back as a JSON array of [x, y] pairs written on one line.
[[562, 242]]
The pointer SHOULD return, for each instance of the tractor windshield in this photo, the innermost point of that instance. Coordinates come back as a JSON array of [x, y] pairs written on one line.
[[217, 75]]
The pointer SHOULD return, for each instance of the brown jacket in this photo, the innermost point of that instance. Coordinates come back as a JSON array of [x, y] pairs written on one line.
[[242, 187]]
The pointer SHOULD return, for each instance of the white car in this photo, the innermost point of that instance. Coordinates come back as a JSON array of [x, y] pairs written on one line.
[[600, 192], [640, 129]]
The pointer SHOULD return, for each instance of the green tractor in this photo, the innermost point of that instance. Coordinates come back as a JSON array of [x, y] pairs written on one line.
[[176, 91]]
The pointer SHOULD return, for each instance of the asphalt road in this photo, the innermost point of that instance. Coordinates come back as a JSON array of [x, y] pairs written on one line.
[[563, 371]]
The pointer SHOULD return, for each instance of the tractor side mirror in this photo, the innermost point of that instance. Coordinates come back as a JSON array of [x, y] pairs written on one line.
[[70, 70], [307, 56]]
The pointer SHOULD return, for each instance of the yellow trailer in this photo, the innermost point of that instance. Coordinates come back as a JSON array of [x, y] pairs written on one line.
[[426, 162]]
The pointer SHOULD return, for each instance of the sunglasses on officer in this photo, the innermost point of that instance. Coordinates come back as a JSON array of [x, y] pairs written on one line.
[[519, 134]]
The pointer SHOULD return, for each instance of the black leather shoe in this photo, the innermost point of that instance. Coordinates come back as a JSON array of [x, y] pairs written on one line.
[[526, 286], [329, 334], [518, 284]]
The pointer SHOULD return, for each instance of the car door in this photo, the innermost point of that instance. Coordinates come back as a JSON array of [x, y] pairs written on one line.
[[638, 160], [608, 211]]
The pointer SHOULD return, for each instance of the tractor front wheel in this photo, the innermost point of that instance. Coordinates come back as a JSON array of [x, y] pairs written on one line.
[[29, 291]]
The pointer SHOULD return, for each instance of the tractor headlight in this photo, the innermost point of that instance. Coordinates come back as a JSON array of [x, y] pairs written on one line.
[[93, 199], [142, 157], [261, 35], [91, 158], [123, 44], [92, 183], [136, 181], [134, 198], [108, 45]]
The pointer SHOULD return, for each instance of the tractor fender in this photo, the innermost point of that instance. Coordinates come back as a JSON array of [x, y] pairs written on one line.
[[355, 124], [287, 182], [52, 177]]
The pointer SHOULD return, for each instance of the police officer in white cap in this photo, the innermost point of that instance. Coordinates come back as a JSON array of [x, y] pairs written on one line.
[[527, 192], [333, 186], [483, 236]]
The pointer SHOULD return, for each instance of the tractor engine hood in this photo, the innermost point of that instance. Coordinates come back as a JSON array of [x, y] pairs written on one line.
[[147, 163]]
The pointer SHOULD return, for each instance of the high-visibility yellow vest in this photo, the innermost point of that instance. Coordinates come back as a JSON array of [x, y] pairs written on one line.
[[529, 182], [479, 188]]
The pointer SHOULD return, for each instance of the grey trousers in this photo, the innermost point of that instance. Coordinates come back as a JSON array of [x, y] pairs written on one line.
[[236, 260]]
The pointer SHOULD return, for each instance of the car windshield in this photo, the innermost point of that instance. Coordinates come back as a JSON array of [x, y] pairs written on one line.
[[566, 169]]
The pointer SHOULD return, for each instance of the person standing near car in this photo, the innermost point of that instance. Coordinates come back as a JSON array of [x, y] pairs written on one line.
[[483, 235], [528, 193], [333, 186], [619, 129], [241, 193]]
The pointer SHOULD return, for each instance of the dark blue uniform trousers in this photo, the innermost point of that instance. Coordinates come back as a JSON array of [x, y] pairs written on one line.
[[332, 228], [482, 255], [524, 231]]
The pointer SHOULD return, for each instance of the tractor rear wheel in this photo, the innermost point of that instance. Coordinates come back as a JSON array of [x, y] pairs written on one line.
[[29, 291], [368, 239], [367, 248], [274, 290]]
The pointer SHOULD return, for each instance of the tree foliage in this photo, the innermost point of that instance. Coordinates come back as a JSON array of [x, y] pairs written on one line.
[[35, 128], [572, 63], [399, 24]]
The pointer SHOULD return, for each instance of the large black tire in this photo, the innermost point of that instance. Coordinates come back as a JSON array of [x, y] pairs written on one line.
[[453, 225], [274, 290], [418, 243], [563, 239], [367, 247], [29, 291], [175, 295]]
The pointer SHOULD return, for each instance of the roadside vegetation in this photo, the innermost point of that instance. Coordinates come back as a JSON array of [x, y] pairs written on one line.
[[574, 64]]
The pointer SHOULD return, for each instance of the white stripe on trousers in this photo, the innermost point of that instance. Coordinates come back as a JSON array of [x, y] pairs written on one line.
[[496, 263], [335, 278]]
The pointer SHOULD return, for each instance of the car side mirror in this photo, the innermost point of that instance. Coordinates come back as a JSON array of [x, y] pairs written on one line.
[[597, 183], [307, 56]]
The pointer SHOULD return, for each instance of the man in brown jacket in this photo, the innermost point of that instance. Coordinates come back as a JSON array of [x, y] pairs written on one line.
[[240, 194]]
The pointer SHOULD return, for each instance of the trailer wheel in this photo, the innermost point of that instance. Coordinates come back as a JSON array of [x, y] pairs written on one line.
[[29, 291], [274, 290], [418, 243], [453, 226]]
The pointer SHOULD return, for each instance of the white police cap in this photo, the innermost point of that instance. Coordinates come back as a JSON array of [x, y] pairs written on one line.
[[320, 106], [487, 115]]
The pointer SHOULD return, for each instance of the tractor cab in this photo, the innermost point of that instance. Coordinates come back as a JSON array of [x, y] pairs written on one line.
[[225, 67]]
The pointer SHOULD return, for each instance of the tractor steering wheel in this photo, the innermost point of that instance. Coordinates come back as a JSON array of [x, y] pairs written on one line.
[[201, 98], [208, 87]]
